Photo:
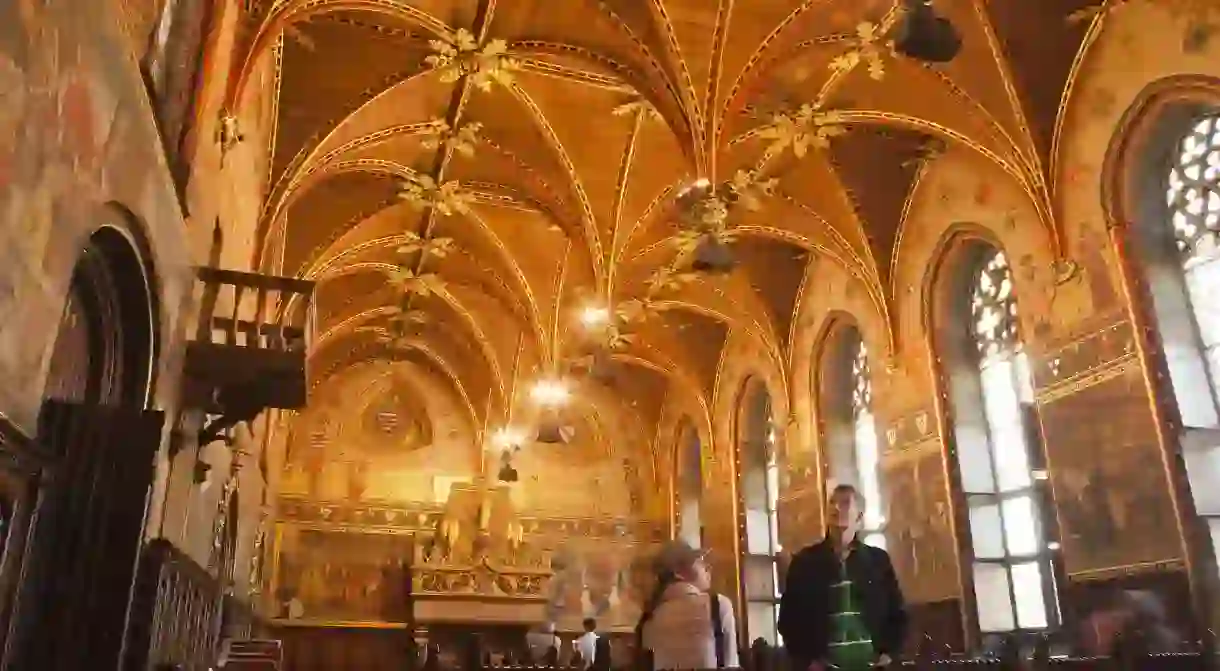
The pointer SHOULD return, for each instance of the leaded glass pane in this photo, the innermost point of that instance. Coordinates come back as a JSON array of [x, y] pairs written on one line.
[[1193, 192], [1021, 525], [986, 529], [993, 593], [994, 309], [1029, 597]]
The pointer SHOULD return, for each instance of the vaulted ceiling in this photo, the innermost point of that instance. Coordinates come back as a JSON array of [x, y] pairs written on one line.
[[536, 150]]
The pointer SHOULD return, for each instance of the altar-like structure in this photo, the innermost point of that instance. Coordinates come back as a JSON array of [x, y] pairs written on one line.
[[476, 564]]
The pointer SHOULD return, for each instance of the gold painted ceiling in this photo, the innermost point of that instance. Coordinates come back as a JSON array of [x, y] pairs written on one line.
[[467, 176]]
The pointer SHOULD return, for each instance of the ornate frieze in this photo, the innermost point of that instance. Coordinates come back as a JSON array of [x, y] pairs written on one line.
[[426, 517], [1092, 357]]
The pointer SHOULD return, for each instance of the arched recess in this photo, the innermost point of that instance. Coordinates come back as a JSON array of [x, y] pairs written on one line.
[[1003, 508], [107, 342], [100, 444], [759, 474], [1161, 192], [847, 424], [688, 478]]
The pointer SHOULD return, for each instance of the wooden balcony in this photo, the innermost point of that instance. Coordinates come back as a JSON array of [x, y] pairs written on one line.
[[253, 337]]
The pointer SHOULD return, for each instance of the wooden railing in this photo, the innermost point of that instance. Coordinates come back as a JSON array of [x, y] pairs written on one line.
[[264, 312], [175, 616]]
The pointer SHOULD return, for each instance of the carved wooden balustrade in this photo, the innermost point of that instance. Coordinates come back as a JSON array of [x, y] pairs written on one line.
[[250, 346], [175, 615]]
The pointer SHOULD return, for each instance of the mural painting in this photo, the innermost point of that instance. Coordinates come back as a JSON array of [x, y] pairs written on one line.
[[1113, 499], [65, 148], [921, 531], [601, 579], [343, 576]]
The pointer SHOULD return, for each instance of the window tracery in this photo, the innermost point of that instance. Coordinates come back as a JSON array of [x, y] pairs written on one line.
[[1000, 462], [864, 438]]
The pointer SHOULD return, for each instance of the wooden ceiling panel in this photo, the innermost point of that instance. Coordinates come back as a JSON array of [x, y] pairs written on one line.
[[335, 297], [703, 338], [557, 177], [402, 104], [774, 269], [878, 167], [333, 205], [938, 102], [317, 89], [1041, 46], [591, 138]]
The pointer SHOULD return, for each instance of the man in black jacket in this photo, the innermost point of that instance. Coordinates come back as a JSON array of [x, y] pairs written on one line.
[[842, 606]]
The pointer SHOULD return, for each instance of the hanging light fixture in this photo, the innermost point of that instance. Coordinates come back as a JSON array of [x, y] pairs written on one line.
[[713, 256], [923, 35]]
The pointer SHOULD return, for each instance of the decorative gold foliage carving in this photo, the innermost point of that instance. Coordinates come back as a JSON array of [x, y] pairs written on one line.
[[867, 48], [463, 139], [463, 56], [424, 193], [807, 127]]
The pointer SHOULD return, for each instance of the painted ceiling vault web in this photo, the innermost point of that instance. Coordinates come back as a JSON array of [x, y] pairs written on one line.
[[469, 179]]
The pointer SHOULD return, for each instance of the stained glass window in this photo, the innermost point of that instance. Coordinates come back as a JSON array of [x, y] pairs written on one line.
[[864, 435], [1001, 475], [1192, 196], [760, 488]]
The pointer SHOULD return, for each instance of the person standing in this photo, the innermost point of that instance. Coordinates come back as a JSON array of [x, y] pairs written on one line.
[[586, 643], [842, 605], [685, 625]]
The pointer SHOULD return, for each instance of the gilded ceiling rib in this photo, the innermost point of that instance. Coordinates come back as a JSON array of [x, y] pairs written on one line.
[[480, 335], [286, 12], [591, 79], [558, 304], [588, 220], [291, 181], [760, 52], [1090, 38], [654, 207], [764, 333], [686, 90], [711, 139], [681, 126], [1026, 146], [620, 191]]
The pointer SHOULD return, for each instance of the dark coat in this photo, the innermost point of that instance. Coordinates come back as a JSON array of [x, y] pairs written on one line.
[[805, 608]]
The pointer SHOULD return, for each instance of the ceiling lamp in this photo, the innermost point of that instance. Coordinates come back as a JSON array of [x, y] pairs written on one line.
[[552, 431], [550, 393], [595, 316], [508, 437], [925, 36], [713, 256]]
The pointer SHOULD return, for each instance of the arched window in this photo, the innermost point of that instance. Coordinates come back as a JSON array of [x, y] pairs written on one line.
[[760, 491], [1000, 465], [849, 427], [689, 479], [1176, 237]]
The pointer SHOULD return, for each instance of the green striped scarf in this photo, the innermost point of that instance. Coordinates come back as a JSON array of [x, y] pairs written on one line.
[[851, 645]]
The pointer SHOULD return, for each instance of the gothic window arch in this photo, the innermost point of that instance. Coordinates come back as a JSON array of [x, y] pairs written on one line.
[[759, 490], [1010, 536], [689, 485], [849, 426], [1173, 190]]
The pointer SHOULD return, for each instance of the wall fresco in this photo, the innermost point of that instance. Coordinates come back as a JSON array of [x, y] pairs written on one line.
[[1113, 497], [342, 576], [920, 526], [74, 134]]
